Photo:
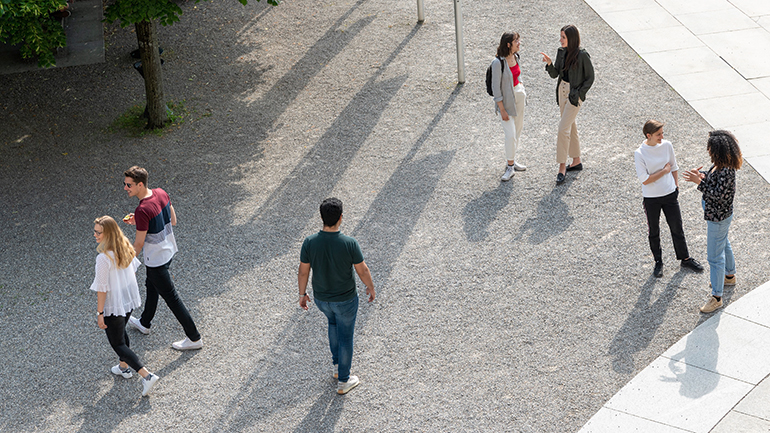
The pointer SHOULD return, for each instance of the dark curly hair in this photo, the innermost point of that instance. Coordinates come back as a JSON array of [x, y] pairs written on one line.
[[724, 150]]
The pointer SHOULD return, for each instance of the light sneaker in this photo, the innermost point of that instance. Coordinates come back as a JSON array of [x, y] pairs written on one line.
[[344, 387], [134, 323], [519, 167], [186, 344], [148, 384], [711, 305], [508, 173], [730, 281], [116, 370]]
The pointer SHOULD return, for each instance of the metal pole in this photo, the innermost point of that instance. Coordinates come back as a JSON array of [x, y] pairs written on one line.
[[420, 11], [460, 43]]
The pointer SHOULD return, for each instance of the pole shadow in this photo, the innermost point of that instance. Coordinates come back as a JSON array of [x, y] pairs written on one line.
[[480, 212]]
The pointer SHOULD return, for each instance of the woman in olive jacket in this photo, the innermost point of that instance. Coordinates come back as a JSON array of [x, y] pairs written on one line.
[[575, 75]]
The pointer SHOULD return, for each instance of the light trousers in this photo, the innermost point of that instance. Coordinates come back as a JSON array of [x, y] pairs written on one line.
[[567, 141], [512, 127]]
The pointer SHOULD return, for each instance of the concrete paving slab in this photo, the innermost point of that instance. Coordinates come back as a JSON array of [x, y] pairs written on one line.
[[646, 18], [756, 403], [764, 21], [754, 305], [727, 345], [762, 84], [686, 61], [736, 422], [762, 165], [676, 7], [680, 395], [753, 8], [739, 48], [605, 6], [717, 21], [736, 110], [723, 82], [753, 140], [608, 420], [666, 39]]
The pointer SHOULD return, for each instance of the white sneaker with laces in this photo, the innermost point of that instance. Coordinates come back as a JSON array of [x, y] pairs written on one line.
[[134, 323], [186, 344], [344, 387], [508, 173], [116, 370], [148, 384], [519, 167]]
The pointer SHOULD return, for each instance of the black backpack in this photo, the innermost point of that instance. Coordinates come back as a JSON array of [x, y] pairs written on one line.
[[489, 75]]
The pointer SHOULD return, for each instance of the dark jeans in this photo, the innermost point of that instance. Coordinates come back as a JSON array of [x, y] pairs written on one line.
[[670, 206], [159, 283], [118, 338], [342, 323]]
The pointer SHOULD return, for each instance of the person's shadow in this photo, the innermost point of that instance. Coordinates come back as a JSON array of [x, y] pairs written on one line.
[[702, 348], [642, 323], [552, 216], [479, 213]]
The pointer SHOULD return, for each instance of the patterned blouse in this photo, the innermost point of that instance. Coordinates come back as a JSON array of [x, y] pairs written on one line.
[[718, 190]]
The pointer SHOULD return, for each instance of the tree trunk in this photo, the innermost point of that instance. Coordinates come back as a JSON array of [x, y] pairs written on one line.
[[153, 78]]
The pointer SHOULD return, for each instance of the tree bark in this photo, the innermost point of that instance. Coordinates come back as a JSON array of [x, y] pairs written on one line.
[[153, 78]]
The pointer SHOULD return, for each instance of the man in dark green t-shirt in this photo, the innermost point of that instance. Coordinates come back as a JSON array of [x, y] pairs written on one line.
[[332, 256]]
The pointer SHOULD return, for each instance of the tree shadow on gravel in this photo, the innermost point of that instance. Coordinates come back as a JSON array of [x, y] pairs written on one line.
[[643, 322], [402, 199], [479, 213], [552, 216]]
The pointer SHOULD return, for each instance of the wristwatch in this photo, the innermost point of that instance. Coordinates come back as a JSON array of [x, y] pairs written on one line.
[[100, 313]]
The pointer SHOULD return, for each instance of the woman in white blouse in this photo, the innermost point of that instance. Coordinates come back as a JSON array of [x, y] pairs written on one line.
[[118, 295]]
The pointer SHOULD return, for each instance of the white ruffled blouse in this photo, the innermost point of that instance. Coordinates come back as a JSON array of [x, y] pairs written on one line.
[[120, 285]]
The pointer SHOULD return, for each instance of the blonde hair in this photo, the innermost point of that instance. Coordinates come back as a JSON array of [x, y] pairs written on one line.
[[114, 240]]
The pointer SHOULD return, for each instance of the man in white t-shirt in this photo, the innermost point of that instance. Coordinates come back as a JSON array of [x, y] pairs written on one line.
[[656, 169]]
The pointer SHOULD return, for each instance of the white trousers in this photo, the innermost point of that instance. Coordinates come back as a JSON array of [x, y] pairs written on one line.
[[512, 127]]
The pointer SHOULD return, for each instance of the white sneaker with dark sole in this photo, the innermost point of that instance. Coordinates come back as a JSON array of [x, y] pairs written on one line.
[[186, 344], [344, 387], [134, 323], [148, 384], [117, 371]]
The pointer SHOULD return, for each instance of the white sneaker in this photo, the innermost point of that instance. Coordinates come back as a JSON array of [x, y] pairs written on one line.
[[344, 387], [508, 173], [134, 323], [186, 344], [148, 384], [519, 167], [116, 370]]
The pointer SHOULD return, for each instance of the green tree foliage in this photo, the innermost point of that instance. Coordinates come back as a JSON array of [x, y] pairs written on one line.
[[29, 23]]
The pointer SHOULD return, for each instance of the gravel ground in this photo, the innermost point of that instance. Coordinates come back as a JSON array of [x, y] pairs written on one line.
[[516, 306]]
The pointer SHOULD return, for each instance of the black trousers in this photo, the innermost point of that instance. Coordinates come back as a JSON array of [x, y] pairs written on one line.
[[669, 204], [118, 338], [159, 284]]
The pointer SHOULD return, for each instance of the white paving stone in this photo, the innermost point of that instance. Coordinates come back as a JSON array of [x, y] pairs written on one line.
[[727, 345], [762, 84], [736, 422], [604, 6], [648, 18], [725, 20], [741, 49], [670, 38], [676, 7], [612, 421], [732, 111], [757, 403], [753, 8], [753, 305], [686, 61], [711, 84], [679, 395], [754, 139], [762, 165]]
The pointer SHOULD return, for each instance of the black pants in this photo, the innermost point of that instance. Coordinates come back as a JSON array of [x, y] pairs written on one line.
[[118, 338], [670, 206], [159, 284]]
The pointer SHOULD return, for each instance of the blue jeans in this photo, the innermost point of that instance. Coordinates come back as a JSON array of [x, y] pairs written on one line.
[[720, 254], [342, 323]]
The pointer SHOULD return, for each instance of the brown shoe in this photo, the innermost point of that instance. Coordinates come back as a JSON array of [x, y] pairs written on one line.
[[711, 305], [729, 281]]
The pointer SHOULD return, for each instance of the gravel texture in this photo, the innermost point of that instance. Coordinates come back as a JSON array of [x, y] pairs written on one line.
[[518, 306]]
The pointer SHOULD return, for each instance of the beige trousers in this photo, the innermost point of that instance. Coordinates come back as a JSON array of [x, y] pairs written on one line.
[[567, 142]]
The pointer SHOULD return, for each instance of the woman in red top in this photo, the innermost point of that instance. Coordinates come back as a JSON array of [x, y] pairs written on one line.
[[509, 97]]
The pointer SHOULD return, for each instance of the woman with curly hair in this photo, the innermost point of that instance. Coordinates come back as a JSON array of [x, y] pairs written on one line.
[[718, 188], [117, 296]]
